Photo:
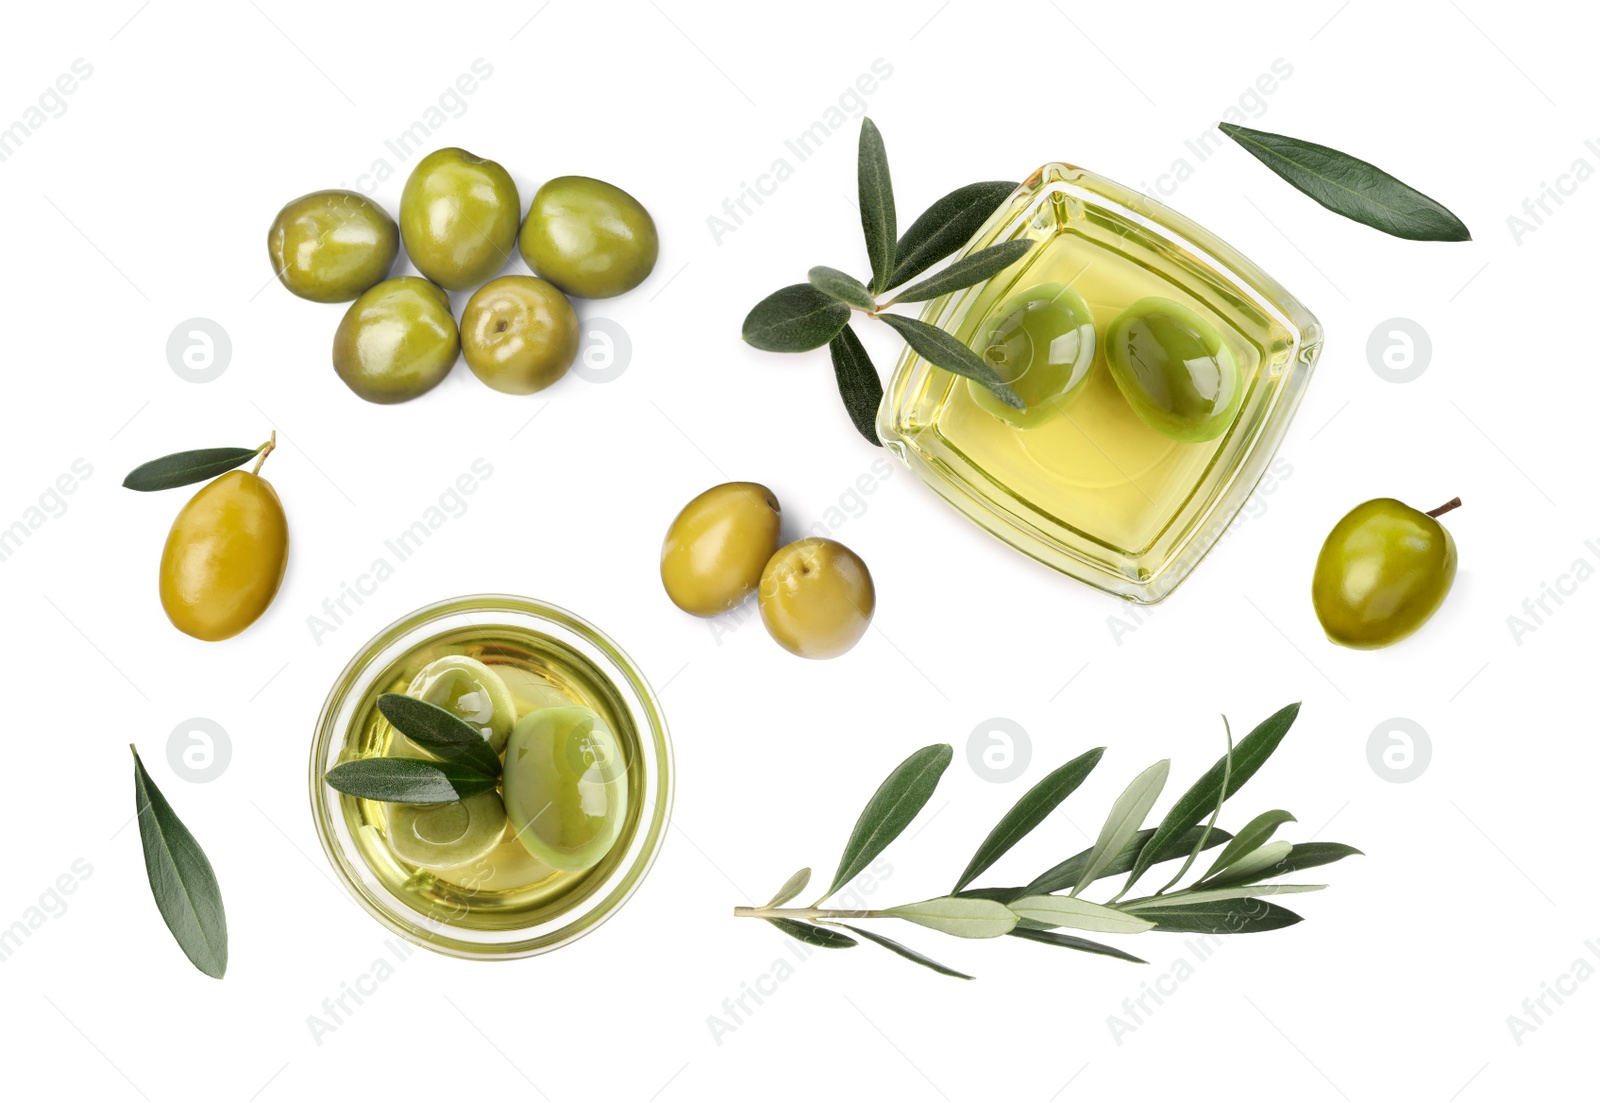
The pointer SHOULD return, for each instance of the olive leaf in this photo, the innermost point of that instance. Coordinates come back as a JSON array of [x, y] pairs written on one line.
[[966, 272], [1126, 815], [1240, 765], [946, 226], [1351, 187], [1249, 838], [183, 468], [906, 952], [1069, 911], [858, 381], [1254, 866], [1073, 942], [408, 780], [181, 878], [816, 936], [1066, 874], [896, 803], [962, 916], [440, 732], [1029, 812], [794, 319], [943, 351], [1216, 812], [842, 286], [1232, 892], [1311, 855], [877, 203], [1223, 917], [793, 887]]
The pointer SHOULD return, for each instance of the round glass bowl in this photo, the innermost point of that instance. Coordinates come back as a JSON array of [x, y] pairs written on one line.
[[443, 916]]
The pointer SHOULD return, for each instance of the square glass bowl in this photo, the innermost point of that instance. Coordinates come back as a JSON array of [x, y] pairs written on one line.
[[1094, 492]]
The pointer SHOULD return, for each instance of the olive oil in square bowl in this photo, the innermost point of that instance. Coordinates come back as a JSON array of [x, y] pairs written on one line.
[[506, 903], [1091, 489]]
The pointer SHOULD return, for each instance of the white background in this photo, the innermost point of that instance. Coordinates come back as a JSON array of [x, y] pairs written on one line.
[[146, 203]]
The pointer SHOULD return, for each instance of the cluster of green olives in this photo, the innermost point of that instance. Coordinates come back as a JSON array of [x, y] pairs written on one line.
[[1172, 366], [816, 595], [459, 219], [563, 795]]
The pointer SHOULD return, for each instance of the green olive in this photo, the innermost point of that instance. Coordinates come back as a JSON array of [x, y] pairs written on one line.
[[225, 557], [531, 692], [1042, 343], [565, 786], [589, 238], [717, 547], [330, 246], [458, 215], [1175, 370], [519, 334], [462, 685], [1383, 571], [817, 598], [397, 341], [446, 836]]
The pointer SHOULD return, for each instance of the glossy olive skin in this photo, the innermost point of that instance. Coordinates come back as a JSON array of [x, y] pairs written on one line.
[[225, 557], [397, 341], [1175, 370], [458, 216], [1383, 571], [1042, 343], [446, 836], [817, 598], [471, 691], [565, 785], [519, 334], [588, 237], [717, 547], [330, 246]]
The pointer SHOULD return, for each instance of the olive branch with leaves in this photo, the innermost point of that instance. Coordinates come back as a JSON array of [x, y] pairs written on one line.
[[1229, 898], [805, 316]]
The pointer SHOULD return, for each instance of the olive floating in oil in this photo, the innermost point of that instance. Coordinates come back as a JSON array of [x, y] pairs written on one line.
[[1175, 370]]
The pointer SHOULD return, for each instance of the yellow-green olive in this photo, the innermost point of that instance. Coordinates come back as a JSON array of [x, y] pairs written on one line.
[[1383, 571], [717, 547], [1175, 369], [588, 237], [458, 216], [330, 246], [397, 341], [519, 334], [470, 690], [446, 836], [225, 556], [817, 598], [565, 784]]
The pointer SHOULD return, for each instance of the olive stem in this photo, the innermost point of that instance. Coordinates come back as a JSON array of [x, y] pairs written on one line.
[[808, 913], [264, 452], [1446, 508]]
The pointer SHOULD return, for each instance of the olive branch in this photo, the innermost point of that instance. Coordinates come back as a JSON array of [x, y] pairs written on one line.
[[805, 316], [1228, 898]]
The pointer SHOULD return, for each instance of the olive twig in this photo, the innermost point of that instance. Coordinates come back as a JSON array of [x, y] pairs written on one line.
[[1446, 508], [809, 913], [266, 450]]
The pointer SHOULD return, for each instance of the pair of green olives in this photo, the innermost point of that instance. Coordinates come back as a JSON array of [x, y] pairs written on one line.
[[563, 794], [816, 596], [459, 219], [1383, 571], [1174, 369]]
